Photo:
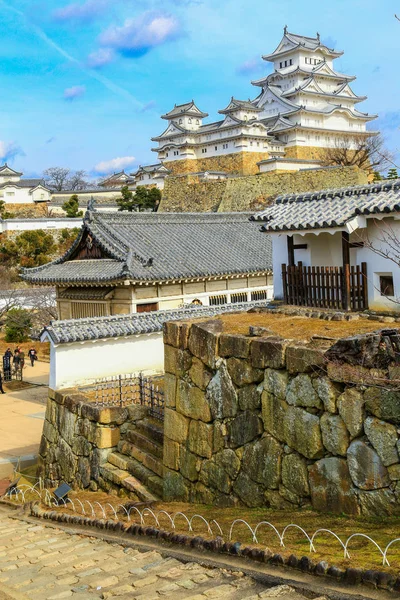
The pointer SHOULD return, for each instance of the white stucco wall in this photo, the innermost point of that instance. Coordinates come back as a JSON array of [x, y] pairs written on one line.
[[83, 362], [325, 249], [33, 224]]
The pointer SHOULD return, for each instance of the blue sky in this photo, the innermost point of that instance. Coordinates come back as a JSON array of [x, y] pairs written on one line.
[[84, 82]]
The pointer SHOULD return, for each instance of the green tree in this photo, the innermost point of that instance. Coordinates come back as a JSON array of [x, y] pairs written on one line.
[[392, 174], [71, 207], [142, 199], [377, 176], [17, 326], [29, 249]]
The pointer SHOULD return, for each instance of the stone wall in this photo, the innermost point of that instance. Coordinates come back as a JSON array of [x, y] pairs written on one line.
[[239, 163], [263, 421], [27, 211], [77, 438], [250, 193]]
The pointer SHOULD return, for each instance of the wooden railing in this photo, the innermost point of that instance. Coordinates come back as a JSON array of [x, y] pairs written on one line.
[[326, 287]]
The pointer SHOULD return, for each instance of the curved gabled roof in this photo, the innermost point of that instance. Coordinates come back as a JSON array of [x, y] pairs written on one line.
[[330, 208], [161, 247], [299, 42], [188, 108]]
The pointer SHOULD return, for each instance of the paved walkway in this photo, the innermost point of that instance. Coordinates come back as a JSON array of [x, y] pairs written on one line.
[[22, 415], [49, 564]]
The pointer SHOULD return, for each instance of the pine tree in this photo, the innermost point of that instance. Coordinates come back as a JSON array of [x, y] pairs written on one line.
[[71, 207], [392, 173], [377, 176]]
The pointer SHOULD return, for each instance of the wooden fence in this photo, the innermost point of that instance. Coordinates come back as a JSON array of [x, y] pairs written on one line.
[[326, 287]]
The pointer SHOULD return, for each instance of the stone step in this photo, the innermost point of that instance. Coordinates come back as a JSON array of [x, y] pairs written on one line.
[[144, 443], [118, 476], [152, 429], [148, 460], [151, 481]]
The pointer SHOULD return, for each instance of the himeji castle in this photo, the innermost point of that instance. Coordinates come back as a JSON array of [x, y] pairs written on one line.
[[304, 105]]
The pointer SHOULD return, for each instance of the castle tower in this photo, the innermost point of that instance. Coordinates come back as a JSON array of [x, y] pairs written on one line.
[[305, 102]]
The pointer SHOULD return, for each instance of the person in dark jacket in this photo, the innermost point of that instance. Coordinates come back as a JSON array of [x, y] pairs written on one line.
[[33, 356], [1, 384]]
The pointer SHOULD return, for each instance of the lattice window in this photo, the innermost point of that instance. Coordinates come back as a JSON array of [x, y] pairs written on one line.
[[217, 300], [239, 297], [259, 295], [82, 310]]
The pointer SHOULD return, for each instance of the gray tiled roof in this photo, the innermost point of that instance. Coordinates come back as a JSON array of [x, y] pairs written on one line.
[[98, 293], [24, 183], [163, 247], [79, 330], [330, 208]]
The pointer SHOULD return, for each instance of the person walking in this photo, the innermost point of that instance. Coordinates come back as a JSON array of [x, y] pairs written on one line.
[[1, 384], [33, 356], [8, 353], [17, 360]]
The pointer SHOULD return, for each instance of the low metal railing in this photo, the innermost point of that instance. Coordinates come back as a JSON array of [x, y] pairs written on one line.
[[129, 389]]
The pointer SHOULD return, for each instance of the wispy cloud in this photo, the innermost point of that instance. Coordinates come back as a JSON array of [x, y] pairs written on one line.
[[72, 93], [100, 58], [251, 66], [9, 151], [105, 81], [114, 165], [149, 106], [85, 12], [50, 140], [139, 35]]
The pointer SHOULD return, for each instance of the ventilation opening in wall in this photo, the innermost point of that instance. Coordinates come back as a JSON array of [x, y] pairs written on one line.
[[83, 310], [259, 295], [239, 297], [386, 285], [217, 300]]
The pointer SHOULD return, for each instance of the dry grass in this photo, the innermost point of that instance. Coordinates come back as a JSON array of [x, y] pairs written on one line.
[[363, 553], [298, 328]]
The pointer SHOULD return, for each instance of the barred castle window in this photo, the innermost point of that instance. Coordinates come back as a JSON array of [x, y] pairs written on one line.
[[239, 297], [259, 295], [218, 300]]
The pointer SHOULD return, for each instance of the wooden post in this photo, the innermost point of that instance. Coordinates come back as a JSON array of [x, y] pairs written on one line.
[[290, 250], [364, 284], [284, 284], [346, 270]]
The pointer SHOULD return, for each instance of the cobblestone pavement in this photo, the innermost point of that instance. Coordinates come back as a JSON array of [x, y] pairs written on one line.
[[46, 563]]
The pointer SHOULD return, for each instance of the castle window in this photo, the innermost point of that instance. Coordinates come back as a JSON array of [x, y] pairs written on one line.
[[251, 143], [197, 122], [386, 285], [180, 121], [280, 65], [216, 147], [166, 154], [190, 121], [290, 62]]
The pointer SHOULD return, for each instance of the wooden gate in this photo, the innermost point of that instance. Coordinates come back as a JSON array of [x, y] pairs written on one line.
[[326, 287]]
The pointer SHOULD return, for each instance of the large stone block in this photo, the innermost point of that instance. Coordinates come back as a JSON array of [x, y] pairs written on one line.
[[378, 503], [328, 391], [192, 402], [175, 487], [249, 397], [200, 440], [344, 373], [275, 382], [189, 465], [351, 409], [170, 390], [176, 426], [176, 361], [220, 432], [98, 458], [176, 334], [303, 433], [243, 429], [201, 494], [335, 436], [234, 345], [295, 474], [303, 359], [366, 468], [107, 437], [83, 471], [200, 374], [81, 446], [269, 352], [86, 429], [212, 476], [49, 432], [273, 414], [383, 403], [300, 392], [171, 454], [67, 462], [262, 462], [228, 461], [383, 436], [66, 425], [221, 395], [249, 492], [203, 341], [242, 373], [331, 487]]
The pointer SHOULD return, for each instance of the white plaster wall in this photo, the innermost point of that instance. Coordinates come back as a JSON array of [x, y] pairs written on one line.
[[33, 224], [19, 195], [82, 363]]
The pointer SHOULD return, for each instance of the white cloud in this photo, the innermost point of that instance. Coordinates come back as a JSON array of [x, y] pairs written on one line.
[[114, 165], [72, 93], [87, 11], [137, 36], [9, 150], [100, 58]]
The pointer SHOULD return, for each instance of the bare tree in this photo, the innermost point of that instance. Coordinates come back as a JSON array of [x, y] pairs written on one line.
[[367, 152], [77, 181], [57, 178]]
